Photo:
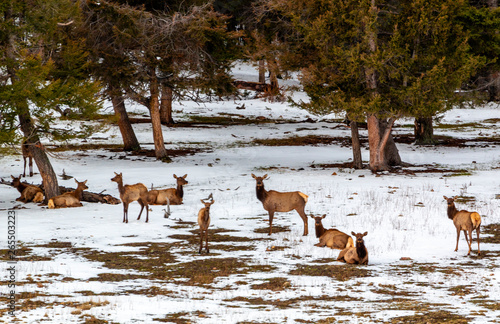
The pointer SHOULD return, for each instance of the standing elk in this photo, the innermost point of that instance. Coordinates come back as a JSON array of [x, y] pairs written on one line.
[[464, 221], [355, 255], [332, 238], [130, 193], [171, 196], [274, 201], [70, 198], [28, 192], [27, 155], [204, 222]]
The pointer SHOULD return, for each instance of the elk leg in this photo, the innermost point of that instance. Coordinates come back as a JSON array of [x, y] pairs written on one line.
[[142, 207], [304, 218], [24, 171], [467, 238], [125, 213], [31, 166], [469, 242], [458, 236], [271, 216], [477, 231], [206, 241], [201, 240], [147, 211]]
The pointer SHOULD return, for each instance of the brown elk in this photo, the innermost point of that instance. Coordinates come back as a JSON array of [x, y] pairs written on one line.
[[355, 255], [332, 238], [28, 192], [464, 221], [171, 196], [27, 155], [130, 193], [204, 222], [70, 198], [274, 201]]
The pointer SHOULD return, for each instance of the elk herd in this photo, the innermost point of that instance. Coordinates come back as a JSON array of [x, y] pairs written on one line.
[[354, 252]]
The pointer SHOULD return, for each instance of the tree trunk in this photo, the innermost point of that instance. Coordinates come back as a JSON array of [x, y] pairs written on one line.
[[494, 86], [154, 110], [357, 162], [166, 105], [262, 71], [383, 150], [130, 142], [42, 161], [424, 132]]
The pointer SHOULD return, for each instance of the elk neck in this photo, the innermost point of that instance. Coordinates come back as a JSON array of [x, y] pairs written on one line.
[[206, 214], [452, 211], [261, 192], [78, 193], [179, 191], [320, 230], [361, 249]]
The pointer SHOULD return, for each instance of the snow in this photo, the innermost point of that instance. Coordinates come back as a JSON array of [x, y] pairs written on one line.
[[404, 215]]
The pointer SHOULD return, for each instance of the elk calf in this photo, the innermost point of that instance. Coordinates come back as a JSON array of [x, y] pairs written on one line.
[[464, 221], [274, 201], [130, 193], [332, 238], [204, 222], [355, 255], [27, 155], [171, 196], [28, 192], [70, 198]]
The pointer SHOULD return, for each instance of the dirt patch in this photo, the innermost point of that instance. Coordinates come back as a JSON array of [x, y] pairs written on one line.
[[274, 284], [338, 272], [309, 140], [493, 230], [432, 317]]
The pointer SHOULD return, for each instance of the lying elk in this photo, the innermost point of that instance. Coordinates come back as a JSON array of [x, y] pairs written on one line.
[[130, 193], [464, 221], [204, 222], [171, 196], [28, 192], [70, 198], [27, 155], [355, 255], [274, 201], [332, 238]]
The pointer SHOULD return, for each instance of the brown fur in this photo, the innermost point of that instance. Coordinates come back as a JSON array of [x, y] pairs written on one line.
[[355, 255], [274, 201], [130, 193], [464, 221], [332, 238], [204, 222], [28, 192], [27, 155], [171, 196], [70, 198]]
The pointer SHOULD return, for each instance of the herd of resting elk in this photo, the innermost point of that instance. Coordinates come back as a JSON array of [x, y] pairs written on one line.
[[272, 201]]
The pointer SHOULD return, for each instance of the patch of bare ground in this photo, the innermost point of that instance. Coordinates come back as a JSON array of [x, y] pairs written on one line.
[[393, 291], [276, 229], [440, 316], [308, 140], [274, 284], [493, 232], [180, 317], [205, 271], [341, 272], [291, 303]]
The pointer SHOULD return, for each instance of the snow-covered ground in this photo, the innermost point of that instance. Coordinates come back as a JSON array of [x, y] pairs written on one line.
[[404, 215]]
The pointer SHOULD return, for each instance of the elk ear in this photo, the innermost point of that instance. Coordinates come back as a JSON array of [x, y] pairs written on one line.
[[253, 176], [445, 198], [75, 180], [175, 176], [202, 201], [12, 177], [85, 182], [264, 177], [455, 197], [20, 176], [353, 234], [212, 202], [116, 173], [365, 233], [323, 216], [184, 176]]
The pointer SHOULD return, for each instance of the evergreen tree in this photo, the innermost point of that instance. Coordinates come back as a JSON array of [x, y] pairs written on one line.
[[44, 72]]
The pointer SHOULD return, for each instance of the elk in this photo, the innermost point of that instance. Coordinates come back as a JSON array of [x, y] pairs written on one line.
[[27, 155], [464, 221], [130, 193], [355, 255], [171, 196], [70, 198], [28, 192], [274, 201], [204, 222], [332, 238]]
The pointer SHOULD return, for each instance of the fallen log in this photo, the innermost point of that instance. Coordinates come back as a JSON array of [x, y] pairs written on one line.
[[254, 86]]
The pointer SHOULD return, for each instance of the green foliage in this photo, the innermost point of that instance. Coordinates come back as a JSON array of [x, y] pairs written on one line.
[[44, 70]]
